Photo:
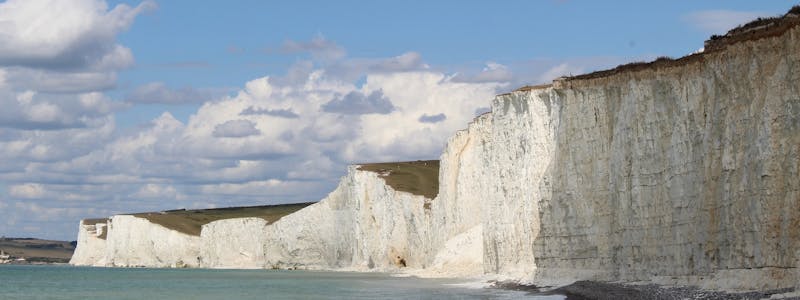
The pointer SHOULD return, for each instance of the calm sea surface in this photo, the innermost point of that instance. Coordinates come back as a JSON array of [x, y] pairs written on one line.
[[65, 282]]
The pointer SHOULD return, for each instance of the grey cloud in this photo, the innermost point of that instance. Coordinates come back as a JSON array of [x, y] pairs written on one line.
[[352, 69], [22, 124], [157, 92], [296, 74], [287, 136], [405, 62], [432, 118], [356, 103], [23, 79], [236, 129], [26, 152], [332, 130], [281, 113], [32, 111], [319, 47]]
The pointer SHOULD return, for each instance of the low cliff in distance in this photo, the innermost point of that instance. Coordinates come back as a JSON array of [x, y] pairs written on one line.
[[34, 251], [159, 239], [679, 172]]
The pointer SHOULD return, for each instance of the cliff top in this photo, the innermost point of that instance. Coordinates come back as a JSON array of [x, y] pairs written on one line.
[[534, 87], [94, 221], [754, 30], [191, 221], [416, 177]]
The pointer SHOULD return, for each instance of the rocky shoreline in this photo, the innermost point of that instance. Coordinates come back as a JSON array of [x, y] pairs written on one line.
[[595, 290]]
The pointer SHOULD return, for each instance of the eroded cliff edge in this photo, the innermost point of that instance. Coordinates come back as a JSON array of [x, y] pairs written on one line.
[[677, 172]]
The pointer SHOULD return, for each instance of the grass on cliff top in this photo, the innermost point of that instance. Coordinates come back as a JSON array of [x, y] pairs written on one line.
[[94, 221], [191, 221], [416, 177]]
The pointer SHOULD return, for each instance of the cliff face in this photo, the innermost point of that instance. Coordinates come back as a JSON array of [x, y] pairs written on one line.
[[363, 224], [680, 173], [233, 244], [91, 247], [134, 242]]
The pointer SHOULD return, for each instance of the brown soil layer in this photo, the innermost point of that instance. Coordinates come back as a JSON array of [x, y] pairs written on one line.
[[416, 177], [94, 221]]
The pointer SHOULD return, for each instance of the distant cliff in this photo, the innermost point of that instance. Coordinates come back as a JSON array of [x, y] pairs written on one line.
[[677, 172]]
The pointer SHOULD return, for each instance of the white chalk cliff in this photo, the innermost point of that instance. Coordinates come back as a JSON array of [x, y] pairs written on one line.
[[683, 173], [91, 250], [135, 242]]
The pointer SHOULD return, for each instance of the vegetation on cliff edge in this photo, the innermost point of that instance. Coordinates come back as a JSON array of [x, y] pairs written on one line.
[[191, 221], [416, 177]]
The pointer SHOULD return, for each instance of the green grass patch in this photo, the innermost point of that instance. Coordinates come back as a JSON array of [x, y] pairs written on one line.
[[416, 177], [191, 221]]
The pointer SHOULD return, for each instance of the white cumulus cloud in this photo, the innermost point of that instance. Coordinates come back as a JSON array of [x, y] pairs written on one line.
[[65, 34]]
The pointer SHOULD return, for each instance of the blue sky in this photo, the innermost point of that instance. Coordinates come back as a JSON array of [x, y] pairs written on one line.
[[221, 45], [126, 106]]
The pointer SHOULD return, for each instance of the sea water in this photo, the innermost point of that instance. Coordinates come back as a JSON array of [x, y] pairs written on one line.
[[67, 282]]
